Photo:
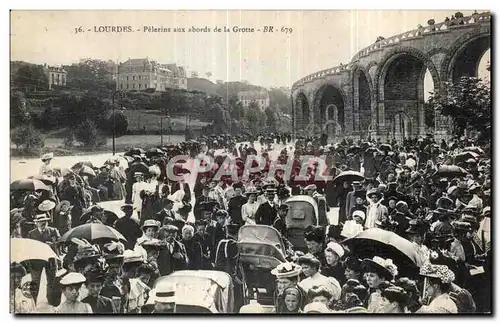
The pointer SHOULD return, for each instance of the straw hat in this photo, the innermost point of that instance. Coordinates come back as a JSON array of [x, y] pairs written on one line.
[[72, 279], [130, 256], [164, 293], [286, 270], [47, 156], [383, 267], [42, 217], [46, 205], [441, 272], [151, 224]]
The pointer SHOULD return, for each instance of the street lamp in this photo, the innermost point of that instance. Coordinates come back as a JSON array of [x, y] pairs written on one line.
[[113, 109]]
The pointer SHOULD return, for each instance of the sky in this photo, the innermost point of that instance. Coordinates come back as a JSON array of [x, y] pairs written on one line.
[[318, 40]]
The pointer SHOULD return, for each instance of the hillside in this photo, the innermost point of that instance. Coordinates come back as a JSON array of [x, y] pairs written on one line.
[[200, 84]]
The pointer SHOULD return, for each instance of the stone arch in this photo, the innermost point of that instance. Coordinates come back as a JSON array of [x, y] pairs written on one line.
[[370, 65], [459, 46], [436, 50], [329, 93], [363, 98], [399, 84], [302, 111]]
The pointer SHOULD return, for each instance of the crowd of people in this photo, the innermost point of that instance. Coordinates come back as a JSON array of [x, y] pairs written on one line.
[[434, 196]]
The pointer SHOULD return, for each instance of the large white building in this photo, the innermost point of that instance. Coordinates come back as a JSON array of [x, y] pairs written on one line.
[[261, 98], [55, 75], [142, 74]]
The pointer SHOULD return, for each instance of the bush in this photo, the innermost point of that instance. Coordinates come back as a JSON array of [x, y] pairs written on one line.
[[69, 141], [87, 133], [27, 137], [121, 124]]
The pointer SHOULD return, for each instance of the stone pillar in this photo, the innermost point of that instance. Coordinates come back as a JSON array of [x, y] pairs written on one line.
[[294, 120], [310, 124], [355, 92]]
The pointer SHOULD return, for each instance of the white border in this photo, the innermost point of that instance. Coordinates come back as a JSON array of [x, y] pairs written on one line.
[[254, 4]]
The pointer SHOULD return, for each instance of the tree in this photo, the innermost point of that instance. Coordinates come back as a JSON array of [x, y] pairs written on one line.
[[272, 119], [255, 117], [237, 110], [87, 133], [28, 137], [30, 77], [19, 110], [278, 98], [468, 103], [92, 75], [429, 115]]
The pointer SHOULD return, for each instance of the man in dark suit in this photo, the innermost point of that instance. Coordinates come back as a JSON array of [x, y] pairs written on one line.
[[166, 212], [173, 255], [267, 211], [43, 232], [201, 202], [128, 226]]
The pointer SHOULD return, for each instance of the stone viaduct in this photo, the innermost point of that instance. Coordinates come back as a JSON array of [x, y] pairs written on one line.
[[380, 93]]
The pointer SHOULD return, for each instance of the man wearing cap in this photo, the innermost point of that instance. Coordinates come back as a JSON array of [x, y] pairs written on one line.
[[267, 211], [43, 232], [167, 210], [99, 304]]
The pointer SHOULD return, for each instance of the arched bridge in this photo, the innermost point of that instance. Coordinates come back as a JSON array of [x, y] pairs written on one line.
[[381, 91]]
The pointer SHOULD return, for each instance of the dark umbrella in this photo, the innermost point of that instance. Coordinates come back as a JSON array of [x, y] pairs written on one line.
[[134, 151], [92, 232], [450, 171], [385, 244], [153, 152], [348, 176], [29, 184], [385, 147], [353, 149], [139, 167], [111, 216]]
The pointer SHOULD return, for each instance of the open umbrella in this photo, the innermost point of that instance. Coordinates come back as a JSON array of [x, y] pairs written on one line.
[[47, 180], [110, 216], [22, 249], [92, 232], [87, 171], [29, 184], [477, 150], [450, 171], [385, 147], [385, 244], [139, 167], [348, 176], [134, 151], [154, 152]]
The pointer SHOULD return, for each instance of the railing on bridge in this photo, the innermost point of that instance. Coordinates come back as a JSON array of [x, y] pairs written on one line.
[[475, 18]]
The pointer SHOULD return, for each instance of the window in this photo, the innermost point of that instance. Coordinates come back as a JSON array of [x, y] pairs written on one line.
[[121, 86], [127, 86], [52, 77], [145, 86], [139, 78], [133, 77], [133, 86], [127, 77]]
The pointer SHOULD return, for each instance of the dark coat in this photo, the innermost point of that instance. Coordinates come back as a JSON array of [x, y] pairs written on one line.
[[198, 206], [100, 304], [167, 263], [234, 209], [49, 235], [266, 214], [194, 253], [130, 229]]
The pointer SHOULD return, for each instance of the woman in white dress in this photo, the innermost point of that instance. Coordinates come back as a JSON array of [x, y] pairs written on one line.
[[249, 209]]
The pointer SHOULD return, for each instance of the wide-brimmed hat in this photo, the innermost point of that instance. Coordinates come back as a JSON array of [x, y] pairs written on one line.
[[72, 279], [395, 293], [442, 272], [359, 213], [309, 259], [374, 191], [47, 156], [95, 276], [63, 207], [130, 256], [46, 205], [251, 190], [461, 226], [170, 228], [164, 293], [335, 247], [127, 207], [383, 267], [41, 217], [443, 212], [85, 250], [113, 250], [286, 270], [150, 223]]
